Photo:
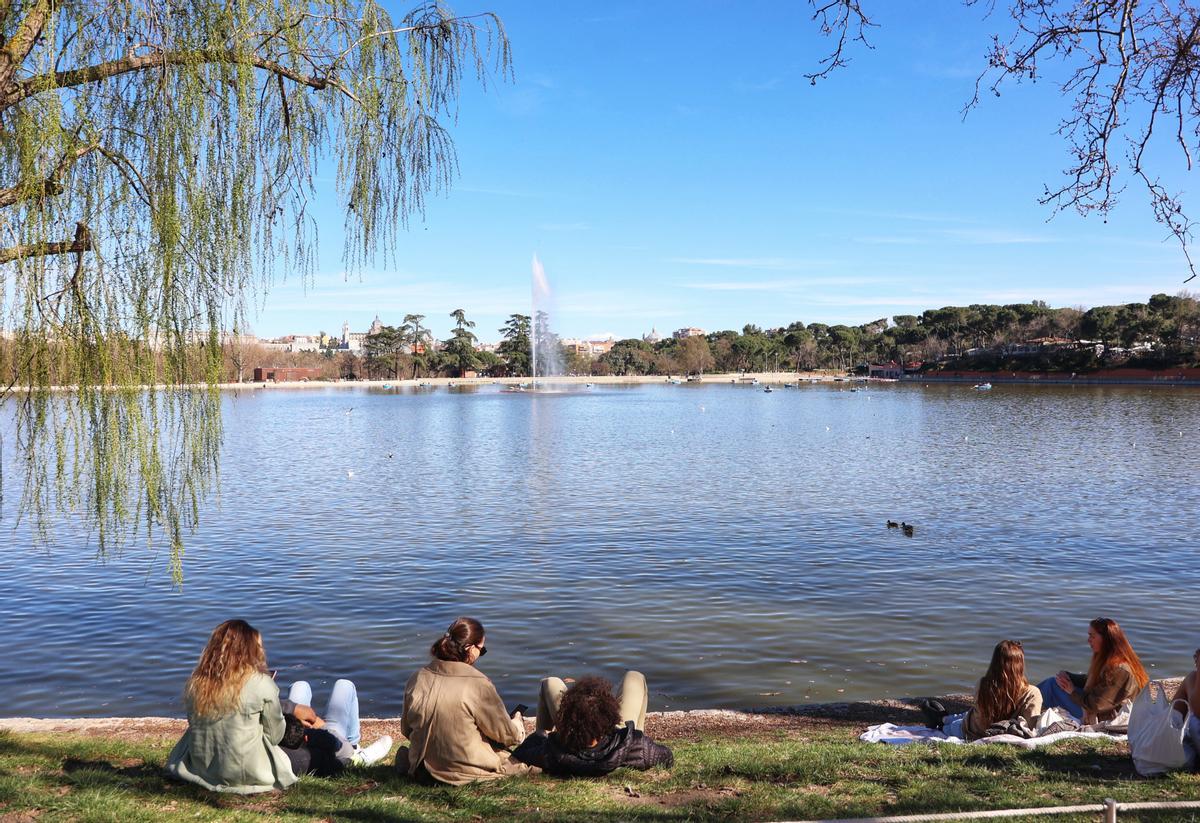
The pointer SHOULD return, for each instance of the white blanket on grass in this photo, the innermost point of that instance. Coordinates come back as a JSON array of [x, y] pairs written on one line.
[[899, 735]]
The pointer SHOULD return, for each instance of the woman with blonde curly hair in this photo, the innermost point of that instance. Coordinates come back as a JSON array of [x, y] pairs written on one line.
[[236, 722]]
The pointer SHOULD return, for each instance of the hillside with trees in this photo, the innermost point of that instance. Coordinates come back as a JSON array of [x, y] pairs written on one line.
[[1162, 333]]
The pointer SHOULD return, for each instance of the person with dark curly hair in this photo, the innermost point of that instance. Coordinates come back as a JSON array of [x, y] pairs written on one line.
[[586, 731]]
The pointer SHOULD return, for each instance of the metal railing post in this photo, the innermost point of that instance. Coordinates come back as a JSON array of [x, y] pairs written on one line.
[[1110, 810]]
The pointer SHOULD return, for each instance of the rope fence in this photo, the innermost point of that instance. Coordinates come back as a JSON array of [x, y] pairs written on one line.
[[1109, 808]]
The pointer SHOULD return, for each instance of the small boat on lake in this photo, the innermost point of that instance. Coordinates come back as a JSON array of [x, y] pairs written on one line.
[[674, 381], [768, 390], [982, 387]]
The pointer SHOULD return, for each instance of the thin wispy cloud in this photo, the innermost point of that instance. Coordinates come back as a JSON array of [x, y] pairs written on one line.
[[611, 305], [430, 298], [744, 285], [578, 226], [1097, 295], [965, 236], [860, 301], [948, 71], [994, 237], [782, 286], [770, 263], [544, 81], [611, 18], [911, 216], [758, 86], [892, 240], [498, 192]]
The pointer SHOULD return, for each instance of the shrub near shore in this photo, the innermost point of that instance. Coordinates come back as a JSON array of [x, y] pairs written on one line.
[[728, 767]]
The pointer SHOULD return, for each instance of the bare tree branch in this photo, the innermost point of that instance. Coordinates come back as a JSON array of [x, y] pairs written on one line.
[[81, 243], [159, 60], [845, 20]]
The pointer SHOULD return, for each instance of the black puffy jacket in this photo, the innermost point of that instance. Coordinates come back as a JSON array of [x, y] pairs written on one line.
[[624, 747]]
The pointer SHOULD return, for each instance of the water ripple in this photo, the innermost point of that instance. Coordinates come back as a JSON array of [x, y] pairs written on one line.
[[729, 543]]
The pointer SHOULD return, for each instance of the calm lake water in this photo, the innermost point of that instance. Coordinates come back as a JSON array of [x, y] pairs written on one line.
[[728, 542]]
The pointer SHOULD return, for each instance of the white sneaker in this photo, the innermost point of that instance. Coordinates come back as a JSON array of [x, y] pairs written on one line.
[[369, 755]]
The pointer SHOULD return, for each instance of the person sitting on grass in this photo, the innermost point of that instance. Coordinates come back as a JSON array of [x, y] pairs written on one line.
[[585, 731], [326, 746], [1189, 692], [1114, 676], [1003, 695], [455, 721], [236, 720]]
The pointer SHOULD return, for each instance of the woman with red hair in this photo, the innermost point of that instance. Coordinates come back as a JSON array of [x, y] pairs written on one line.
[[1114, 676]]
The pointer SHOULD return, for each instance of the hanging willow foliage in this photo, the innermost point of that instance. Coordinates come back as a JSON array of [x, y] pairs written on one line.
[[156, 165]]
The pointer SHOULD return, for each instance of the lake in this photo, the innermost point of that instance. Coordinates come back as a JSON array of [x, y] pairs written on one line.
[[730, 543]]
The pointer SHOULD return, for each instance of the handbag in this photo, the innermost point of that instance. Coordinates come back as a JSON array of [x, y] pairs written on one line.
[[1156, 731]]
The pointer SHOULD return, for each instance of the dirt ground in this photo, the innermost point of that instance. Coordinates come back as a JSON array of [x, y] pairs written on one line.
[[666, 725], [690, 725]]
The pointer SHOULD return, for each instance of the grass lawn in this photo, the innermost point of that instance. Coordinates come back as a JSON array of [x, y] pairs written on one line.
[[800, 768]]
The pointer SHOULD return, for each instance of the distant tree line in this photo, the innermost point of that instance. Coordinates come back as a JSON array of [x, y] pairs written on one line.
[[1160, 333], [1163, 332]]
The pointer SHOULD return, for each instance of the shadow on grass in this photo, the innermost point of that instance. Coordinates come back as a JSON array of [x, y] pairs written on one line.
[[138, 771], [904, 713], [1087, 764], [733, 781]]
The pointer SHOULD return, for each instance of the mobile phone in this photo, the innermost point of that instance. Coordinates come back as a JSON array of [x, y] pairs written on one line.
[[273, 672], [520, 708]]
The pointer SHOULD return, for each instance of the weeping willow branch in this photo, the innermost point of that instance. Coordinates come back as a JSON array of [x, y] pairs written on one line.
[[115, 68], [157, 162], [81, 243]]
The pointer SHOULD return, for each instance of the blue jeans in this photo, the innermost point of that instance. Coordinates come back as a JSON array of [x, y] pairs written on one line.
[[952, 726], [1191, 740], [1055, 697], [341, 713]]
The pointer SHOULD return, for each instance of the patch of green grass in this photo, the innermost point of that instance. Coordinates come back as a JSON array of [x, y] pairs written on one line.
[[830, 774]]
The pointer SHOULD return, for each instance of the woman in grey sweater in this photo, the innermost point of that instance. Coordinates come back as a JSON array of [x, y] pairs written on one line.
[[236, 722]]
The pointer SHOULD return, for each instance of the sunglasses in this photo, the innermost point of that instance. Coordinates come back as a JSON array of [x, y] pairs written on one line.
[[482, 650]]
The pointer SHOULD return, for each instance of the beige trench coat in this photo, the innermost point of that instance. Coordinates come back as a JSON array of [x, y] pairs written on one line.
[[456, 722]]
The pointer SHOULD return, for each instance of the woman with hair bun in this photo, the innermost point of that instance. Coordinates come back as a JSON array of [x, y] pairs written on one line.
[[1114, 676], [455, 721]]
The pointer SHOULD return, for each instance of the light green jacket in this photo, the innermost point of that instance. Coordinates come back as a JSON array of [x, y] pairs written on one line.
[[238, 752]]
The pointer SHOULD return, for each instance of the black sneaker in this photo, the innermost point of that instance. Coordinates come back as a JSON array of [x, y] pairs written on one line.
[[934, 713]]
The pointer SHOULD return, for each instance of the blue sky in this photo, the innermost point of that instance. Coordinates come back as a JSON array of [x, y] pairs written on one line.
[[670, 166]]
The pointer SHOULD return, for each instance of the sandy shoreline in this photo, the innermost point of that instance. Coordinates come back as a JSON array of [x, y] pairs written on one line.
[[673, 724], [773, 378]]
